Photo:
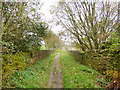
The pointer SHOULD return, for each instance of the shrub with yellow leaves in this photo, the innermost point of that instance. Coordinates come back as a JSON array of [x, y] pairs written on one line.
[[112, 74]]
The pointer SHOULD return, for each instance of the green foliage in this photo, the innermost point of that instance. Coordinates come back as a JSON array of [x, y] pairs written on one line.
[[54, 70], [114, 38], [113, 66], [52, 41], [112, 44], [103, 61], [19, 29], [12, 63], [8, 47], [43, 47], [76, 75], [34, 76]]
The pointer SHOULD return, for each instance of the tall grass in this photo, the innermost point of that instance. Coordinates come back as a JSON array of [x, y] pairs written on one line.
[[76, 75], [35, 76]]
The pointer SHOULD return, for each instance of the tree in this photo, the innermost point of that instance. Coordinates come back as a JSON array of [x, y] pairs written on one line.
[[34, 36], [11, 20], [89, 23], [52, 41], [21, 32]]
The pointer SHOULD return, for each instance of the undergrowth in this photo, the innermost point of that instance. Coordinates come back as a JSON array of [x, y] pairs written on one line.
[[76, 75], [35, 76]]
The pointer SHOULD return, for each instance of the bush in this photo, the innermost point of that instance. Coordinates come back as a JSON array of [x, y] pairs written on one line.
[[112, 75], [12, 63], [102, 61]]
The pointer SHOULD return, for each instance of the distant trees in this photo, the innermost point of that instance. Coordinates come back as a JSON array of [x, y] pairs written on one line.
[[88, 23], [52, 41]]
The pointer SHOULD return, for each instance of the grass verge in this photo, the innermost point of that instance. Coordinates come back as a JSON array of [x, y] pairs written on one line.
[[76, 75], [35, 76]]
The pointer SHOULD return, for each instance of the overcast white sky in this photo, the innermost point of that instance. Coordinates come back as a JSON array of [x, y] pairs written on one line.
[[47, 6]]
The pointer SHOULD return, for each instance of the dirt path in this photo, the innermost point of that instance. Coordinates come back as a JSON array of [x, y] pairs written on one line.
[[55, 79]]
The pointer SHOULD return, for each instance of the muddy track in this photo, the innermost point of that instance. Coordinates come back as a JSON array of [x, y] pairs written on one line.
[[55, 79]]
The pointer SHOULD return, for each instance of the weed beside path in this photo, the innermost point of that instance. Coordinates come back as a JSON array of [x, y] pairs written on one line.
[[57, 71], [76, 75], [35, 76]]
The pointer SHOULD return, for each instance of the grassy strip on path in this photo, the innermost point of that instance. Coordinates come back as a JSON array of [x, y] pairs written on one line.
[[76, 75], [35, 76]]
